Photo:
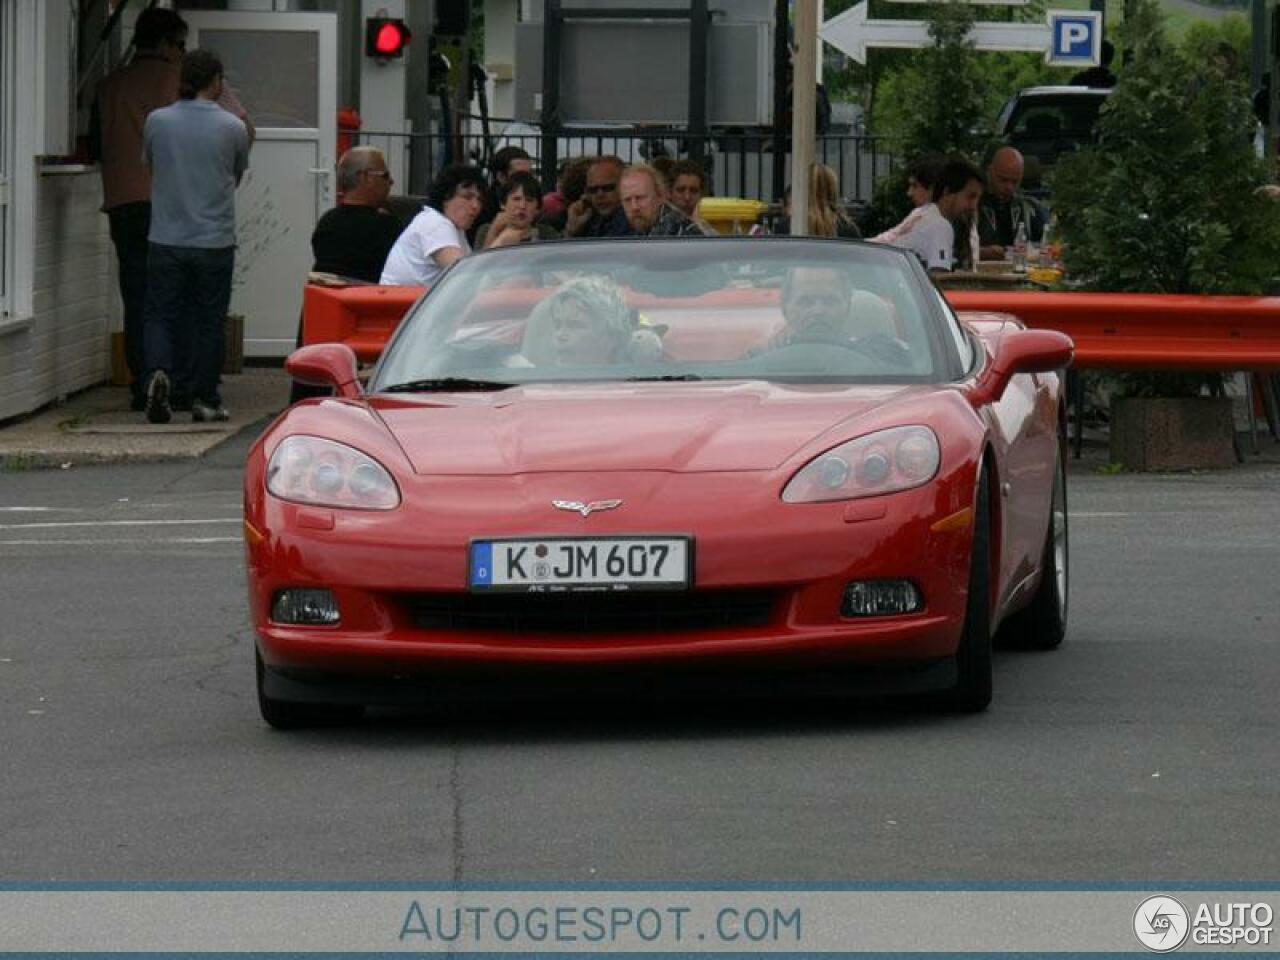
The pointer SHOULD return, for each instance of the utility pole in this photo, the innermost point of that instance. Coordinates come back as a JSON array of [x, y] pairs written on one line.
[[781, 60], [803, 109]]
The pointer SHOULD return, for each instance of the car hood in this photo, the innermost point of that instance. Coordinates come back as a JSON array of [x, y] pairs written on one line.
[[687, 427]]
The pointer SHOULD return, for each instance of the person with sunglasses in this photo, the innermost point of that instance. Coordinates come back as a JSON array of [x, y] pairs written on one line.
[[599, 213], [354, 238]]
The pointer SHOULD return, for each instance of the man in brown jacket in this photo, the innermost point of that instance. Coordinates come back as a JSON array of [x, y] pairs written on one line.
[[125, 99]]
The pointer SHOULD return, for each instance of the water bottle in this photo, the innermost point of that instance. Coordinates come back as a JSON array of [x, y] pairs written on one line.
[[1020, 248]]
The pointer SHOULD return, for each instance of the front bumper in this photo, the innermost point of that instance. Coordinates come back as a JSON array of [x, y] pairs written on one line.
[[380, 566]]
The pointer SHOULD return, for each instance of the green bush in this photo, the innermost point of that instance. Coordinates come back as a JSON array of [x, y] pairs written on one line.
[[1167, 200]]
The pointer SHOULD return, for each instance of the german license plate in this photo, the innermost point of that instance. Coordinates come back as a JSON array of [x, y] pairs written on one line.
[[580, 564]]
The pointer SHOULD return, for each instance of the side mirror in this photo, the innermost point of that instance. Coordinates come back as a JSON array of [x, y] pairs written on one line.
[[1020, 351], [326, 365]]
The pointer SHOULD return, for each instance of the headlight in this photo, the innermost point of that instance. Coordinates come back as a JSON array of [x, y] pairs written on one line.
[[882, 462], [328, 474]]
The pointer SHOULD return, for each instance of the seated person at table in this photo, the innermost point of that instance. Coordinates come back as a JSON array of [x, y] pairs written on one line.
[[518, 210], [956, 193], [354, 238], [921, 176], [438, 235], [1004, 206]]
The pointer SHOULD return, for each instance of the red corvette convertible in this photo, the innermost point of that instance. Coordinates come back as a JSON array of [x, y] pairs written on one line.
[[764, 457]]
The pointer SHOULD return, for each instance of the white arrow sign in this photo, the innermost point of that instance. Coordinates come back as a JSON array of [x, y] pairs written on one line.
[[852, 33]]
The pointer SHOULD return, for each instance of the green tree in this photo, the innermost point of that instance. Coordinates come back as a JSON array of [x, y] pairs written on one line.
[[1167, 200], [934, 102], [937, 102], [1200, 44]]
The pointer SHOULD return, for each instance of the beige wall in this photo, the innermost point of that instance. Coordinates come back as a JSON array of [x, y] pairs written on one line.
[[64, 346]]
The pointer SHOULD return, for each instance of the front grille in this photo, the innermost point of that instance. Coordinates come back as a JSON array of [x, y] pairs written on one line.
[[593, 612]]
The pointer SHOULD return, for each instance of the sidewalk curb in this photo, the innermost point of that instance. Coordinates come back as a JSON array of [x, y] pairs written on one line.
[[96, 426]]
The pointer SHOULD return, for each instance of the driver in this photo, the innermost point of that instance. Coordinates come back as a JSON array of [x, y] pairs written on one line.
[[820, 306], [816, 303]]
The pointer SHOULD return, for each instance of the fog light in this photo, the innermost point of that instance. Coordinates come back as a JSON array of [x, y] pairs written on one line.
[[880, 598], [311, 607]]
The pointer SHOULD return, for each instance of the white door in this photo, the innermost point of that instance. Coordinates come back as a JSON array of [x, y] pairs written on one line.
[[284, 68]]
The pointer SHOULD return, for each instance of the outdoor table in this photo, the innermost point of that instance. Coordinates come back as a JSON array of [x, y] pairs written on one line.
[[986, 279]]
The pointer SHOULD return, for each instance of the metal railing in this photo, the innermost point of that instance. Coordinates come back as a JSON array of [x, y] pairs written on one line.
[[738, 165]]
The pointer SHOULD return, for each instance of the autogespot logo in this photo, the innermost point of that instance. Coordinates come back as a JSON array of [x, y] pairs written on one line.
[[1161, 924]]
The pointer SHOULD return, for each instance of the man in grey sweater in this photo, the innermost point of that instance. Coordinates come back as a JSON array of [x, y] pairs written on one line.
[[197, 153]]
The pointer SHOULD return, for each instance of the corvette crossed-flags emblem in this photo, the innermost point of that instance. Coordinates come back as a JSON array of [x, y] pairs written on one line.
[[586, 508]]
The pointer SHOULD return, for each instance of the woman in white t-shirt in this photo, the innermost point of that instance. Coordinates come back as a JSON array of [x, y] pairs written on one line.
[[438, 235]]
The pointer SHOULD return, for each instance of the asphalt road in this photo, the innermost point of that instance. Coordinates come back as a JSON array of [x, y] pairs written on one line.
[[1143, 750]]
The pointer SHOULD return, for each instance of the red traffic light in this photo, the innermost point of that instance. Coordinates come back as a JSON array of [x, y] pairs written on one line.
[[385, 37]]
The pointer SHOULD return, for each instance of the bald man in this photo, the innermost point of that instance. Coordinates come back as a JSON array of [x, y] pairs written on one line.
[[1004, 206]]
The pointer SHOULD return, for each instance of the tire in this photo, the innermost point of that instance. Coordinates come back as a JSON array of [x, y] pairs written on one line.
[[1042, 624], [293, 715], [972, 692]]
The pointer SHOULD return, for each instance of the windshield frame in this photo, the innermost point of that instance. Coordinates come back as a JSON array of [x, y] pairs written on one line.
[[941, 327]]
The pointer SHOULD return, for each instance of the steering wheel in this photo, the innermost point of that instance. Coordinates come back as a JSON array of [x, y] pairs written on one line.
[[883, 347], [816, 354]]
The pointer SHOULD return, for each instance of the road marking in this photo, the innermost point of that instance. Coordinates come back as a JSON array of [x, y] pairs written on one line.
[[116, 523]]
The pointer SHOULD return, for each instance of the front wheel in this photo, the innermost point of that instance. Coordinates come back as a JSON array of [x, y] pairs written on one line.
[[972, 692]]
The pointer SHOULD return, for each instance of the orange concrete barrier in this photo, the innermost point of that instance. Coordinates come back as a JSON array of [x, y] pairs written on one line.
[[1146, 331], [1133, 331], [361, 317]]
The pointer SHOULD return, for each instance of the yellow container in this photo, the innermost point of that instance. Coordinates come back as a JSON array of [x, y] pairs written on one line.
[[731, 215]]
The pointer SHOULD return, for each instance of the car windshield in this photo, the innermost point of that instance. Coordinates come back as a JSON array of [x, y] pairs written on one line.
[[672, 310]]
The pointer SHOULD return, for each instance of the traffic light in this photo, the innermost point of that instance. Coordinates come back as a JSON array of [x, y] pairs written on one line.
[[385, 37]]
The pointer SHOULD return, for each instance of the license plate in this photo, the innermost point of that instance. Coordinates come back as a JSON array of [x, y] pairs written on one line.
[[580, 564]]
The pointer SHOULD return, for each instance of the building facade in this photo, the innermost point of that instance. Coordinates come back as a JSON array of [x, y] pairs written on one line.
[[56, 289]]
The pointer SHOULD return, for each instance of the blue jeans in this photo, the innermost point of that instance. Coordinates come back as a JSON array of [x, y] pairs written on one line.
[[188, 292]]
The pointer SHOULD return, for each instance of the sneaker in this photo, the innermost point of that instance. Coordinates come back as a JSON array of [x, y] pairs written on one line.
[[180, 403], [158, 398], [202, 412]]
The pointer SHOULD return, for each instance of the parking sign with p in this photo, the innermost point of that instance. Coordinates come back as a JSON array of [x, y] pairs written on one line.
[[1075, 38]]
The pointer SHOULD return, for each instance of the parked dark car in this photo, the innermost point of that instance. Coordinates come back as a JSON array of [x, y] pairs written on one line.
[[1048, 122]]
